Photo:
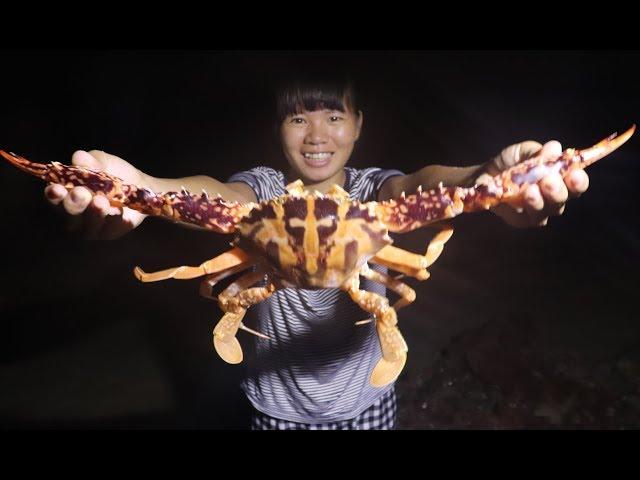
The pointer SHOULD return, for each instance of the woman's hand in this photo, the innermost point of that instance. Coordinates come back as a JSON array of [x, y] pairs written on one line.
[[546, 198], [93, 214]]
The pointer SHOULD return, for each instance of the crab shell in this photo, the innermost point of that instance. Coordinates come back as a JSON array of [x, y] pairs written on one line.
[[313, 240]]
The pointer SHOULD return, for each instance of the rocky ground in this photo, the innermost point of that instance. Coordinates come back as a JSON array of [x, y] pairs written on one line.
[[497, 377]]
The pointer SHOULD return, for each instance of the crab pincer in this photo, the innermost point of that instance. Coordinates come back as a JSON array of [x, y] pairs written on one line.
[[423, 208], [197, 209], [510, 186]]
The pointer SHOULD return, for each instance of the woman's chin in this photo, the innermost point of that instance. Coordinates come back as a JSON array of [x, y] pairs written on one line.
[[318, 174], [317, 164]]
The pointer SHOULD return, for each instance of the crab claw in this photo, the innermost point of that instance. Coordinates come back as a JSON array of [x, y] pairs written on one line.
[[604, 148], [38, 169]]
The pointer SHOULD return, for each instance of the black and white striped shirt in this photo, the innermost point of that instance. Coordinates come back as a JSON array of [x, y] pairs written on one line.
[[316, 367]]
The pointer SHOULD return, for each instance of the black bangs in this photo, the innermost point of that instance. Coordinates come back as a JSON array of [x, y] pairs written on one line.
[[315, 94]]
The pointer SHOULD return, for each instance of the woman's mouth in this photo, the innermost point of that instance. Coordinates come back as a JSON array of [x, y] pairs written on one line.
[[319, 159]]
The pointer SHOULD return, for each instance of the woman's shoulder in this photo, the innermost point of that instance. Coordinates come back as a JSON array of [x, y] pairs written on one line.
[[266, 182], [261, 172], [363, 184]]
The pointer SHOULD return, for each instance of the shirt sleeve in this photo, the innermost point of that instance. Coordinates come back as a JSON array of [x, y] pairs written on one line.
[[265, 182], [367, 182]]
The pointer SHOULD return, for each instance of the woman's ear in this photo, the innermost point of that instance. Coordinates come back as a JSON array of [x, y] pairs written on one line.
[[359, 119]]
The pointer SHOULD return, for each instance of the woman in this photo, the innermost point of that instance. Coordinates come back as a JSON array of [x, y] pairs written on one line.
[[313, 372]]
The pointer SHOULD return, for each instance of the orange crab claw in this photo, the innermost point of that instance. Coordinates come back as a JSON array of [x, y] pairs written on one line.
[[37, 169], [605, 147], [427, 207], [197, 209]]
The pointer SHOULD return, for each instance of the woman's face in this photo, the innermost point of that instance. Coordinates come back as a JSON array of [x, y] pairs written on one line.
[[318, 143]]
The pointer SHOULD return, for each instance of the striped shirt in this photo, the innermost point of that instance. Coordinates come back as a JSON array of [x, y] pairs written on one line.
[[316, 367]]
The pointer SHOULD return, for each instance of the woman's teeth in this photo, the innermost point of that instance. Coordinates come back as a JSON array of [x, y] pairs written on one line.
[[317, 156], [317, 160]]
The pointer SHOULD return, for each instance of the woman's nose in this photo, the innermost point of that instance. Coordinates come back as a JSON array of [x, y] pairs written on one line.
[[316, 134]]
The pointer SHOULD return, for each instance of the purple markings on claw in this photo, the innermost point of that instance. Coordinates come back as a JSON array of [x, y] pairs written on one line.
[[98, 183], [200, 210], [358, 211], [143, 199]]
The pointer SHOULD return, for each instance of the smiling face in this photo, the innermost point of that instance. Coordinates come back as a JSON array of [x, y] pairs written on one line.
[[318, 144]]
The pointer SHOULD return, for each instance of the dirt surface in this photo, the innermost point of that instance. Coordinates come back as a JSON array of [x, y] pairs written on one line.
[[498, 377]]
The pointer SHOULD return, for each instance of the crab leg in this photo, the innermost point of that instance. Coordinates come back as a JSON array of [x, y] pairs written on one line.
[[407, 294], [425, 207], [201, 210], [234, 301], [228, 260], [413, 264], [211, 280], [394, 348]]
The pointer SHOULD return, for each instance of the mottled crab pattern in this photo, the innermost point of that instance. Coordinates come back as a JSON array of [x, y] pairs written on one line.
[[314, 240]]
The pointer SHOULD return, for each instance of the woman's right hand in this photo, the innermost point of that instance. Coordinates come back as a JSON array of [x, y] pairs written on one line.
[[93, 214]]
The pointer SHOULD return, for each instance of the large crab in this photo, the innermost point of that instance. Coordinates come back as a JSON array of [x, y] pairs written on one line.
[[315, 240]]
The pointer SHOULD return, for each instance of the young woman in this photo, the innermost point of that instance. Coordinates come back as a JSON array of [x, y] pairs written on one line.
[[314, 372]]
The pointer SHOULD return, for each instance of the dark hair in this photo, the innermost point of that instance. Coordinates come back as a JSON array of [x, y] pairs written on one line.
[[315, 91]]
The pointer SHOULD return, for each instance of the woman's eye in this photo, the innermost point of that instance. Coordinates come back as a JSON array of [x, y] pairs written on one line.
[[297, 120], [335, 118]]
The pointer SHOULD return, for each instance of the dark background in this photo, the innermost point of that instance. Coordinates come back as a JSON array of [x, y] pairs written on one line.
[[515, 328]]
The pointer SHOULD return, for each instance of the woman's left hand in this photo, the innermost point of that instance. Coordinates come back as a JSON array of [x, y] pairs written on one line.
[[545, 199]]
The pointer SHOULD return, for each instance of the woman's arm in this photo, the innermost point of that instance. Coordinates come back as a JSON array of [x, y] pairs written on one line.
[[429, 177], [542, 200], [98, 219]]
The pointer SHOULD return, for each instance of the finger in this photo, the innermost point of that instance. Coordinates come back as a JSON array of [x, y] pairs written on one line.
[[551, 150], [534, 207], [555, 194], [516, 217], [577, 183], [81, 158], [537, 219], [94, 216], [533, 200], [532, 213], [77, 200], [117, 225], [55, 193]]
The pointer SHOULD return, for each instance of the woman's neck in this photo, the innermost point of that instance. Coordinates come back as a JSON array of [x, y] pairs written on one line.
[[323, 186]]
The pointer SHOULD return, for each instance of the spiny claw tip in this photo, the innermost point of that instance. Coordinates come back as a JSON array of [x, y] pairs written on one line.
[[630, 131], [624, 135]]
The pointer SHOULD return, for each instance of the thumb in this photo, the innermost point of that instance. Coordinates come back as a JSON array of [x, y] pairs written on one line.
[[513, 155], [105, 162], [87, 160]]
